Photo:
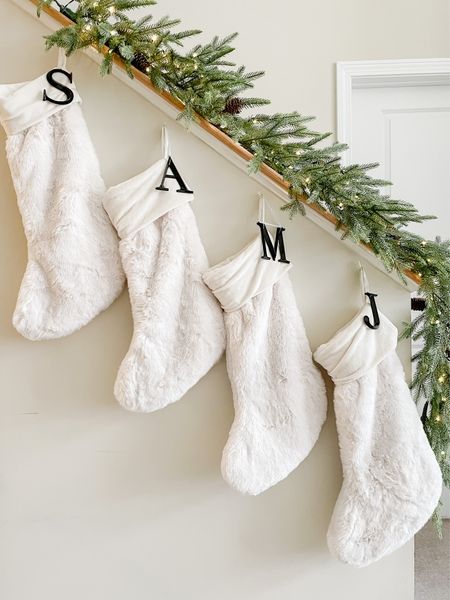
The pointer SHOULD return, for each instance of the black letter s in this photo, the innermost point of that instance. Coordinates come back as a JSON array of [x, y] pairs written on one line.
[[59, 86]]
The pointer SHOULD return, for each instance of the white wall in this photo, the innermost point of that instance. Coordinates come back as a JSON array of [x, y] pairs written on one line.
[[97, 503], [299, 42]]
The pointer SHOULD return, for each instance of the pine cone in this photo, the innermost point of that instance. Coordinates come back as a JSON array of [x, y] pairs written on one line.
[[141, 62], [233, 106]]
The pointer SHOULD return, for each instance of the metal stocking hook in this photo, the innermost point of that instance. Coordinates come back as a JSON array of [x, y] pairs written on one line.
[[376, 316]]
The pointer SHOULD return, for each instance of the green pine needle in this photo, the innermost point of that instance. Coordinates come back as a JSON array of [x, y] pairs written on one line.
[[205, 79]]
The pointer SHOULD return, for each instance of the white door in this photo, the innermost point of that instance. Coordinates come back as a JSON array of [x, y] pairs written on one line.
[[398, 114], [407, 130]]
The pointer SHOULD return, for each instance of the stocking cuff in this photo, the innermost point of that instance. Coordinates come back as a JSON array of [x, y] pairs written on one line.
[[242, 276], [355, 349], [134, 204], [22, 104]]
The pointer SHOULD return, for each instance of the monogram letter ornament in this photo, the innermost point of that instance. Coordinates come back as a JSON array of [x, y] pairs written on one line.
[[59, 86]]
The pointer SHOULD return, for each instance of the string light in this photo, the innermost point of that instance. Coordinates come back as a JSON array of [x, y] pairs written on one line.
[[115, 18]]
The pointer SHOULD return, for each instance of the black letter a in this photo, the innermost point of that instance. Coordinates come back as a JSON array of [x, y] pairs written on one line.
[[175, 175], [267, 243]]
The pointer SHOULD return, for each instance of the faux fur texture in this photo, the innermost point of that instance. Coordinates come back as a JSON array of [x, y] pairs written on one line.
[[279, 395], [178, 325], [392, 482], [74, 270]]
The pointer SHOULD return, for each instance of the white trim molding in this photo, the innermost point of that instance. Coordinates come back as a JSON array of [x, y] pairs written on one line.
[[352, 75]]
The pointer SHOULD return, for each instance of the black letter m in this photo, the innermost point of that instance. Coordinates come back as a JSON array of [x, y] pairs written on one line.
[[273, 249]]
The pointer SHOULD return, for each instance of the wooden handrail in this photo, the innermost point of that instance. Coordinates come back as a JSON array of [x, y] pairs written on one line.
[[217, 134]]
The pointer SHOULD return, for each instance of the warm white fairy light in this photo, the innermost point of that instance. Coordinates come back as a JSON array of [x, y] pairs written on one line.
[[113, 32], [424, 242], [154, 38], [341, 206], [112, 9], [438, 418]]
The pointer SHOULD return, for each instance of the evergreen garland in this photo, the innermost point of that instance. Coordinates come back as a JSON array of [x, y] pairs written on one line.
[[208, 84]]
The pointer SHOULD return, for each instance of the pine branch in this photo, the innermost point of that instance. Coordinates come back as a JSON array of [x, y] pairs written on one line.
[[210, 85]]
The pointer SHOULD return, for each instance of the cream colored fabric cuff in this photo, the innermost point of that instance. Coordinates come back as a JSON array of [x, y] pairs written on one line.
[[135, 203], [21, 104], [243, 276], [355, 349]]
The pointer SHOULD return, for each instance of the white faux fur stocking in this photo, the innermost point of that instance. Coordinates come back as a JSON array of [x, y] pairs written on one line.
[[178, 324], [392, 482], [73, 269], [279, 395]]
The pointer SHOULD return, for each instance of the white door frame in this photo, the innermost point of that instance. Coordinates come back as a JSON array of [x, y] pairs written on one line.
[[360, 74]]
